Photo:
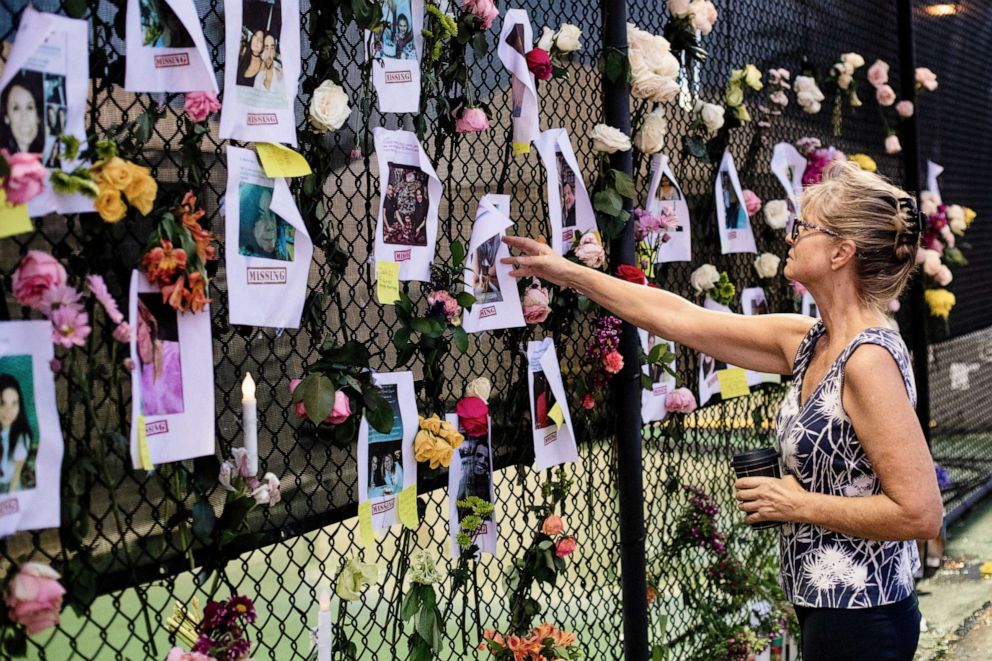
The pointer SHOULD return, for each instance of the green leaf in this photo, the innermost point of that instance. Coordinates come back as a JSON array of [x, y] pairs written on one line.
[[318, 397], [465, 299], [646, 382], [425, 624], [379, 413], [457, 254], [624, 183], [608, 202], [204, 519], [461, 339], [695, 146], [401, 339], [411, 603], [76, 8], [420, 325]]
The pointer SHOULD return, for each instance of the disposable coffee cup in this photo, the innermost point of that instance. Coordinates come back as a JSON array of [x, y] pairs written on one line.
[[758, 463]]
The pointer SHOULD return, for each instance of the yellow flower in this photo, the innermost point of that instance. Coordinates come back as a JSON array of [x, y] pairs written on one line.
[[940, 302], [355, 576], [142, 190], [864, 161], [117, 173], [969, 215], [431, 424], [986, 568], [423, 445], [109, 205], [752, 76]]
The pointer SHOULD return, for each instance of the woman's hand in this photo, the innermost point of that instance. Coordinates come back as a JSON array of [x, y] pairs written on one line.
[[770, 498], [538, 261]]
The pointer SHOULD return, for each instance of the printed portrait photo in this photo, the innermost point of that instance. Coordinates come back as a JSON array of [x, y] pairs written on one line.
[[261, 232], [476, 478], [159, 356], [404, 208], [566, 189], [55, 116], [485, 283], [22, 128], [515, 39], [18, 424], [396, 39], [259, 58], [755, 303], [735, 217], [544, 401], [386, 452], [667, 191], [161, 27]]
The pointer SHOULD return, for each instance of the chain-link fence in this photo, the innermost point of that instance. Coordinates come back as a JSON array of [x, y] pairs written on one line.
[[121, 541]]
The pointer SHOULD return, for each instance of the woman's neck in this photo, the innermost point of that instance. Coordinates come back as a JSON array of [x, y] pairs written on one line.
[[844, 315]]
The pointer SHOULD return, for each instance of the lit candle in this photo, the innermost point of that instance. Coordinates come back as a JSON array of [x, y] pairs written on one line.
[[324, 646], [249, 422]]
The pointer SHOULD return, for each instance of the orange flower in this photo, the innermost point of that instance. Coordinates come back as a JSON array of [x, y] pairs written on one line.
[[651, 595], [544, 631], [553, 525], [188, 213], [161, 264], [196, 299], [565, 638], [204, 248], [174, 295]]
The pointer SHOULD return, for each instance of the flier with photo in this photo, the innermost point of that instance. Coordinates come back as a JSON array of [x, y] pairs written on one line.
[[809, 306], [554, 443], [788, 166], [261, 70], [30, 436], [662, 383], [267, 272], [166, 50], [514, 41], [409, 194], [569, 206], [471, 474], [934, 171], [665, 196], [497, 300], [734, 225], [754, 301], [43, 91], [709, 380], [386, 462], [172, 386], [395, 55]]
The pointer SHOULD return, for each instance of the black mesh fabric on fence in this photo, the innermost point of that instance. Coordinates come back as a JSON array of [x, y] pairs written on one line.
[[133, 556]]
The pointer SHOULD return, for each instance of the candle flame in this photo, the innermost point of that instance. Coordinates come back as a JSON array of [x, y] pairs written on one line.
[[942, 9], [248, 387]]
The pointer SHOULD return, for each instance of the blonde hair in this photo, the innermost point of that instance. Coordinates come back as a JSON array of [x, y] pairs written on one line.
[[881, 220]]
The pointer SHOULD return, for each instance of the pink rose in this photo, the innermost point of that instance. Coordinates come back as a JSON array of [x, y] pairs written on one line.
[[613, 362], [926, 78], [590, 251], [472, 120], [878, 73], [565, 547], [123, 332], [179, 654], [553, 525], [680, 400], [751, 202], [37, 273], [892, 145], [26, 179], [536, 304], [339, 413], [34, 597], [885, 95], [484, 10], [200, 105], [904, 108]]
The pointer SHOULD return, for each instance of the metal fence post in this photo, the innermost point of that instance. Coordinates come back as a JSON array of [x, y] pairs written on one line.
[[626, 386]]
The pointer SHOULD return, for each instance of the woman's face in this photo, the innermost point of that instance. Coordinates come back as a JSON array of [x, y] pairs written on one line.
[[257, 41], [809, 254], [387, 463], [144, 341], [402, 27], [569, 195], [420, 196], [21, 114], [10, 407], [375, 462]]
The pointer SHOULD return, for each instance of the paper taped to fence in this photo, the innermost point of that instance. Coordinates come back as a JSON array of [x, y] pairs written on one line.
[[569, 207], [396, 53], [662, 383], [788, 166], [553, 444], [709, 367], [514, 42], [665, 197], [166, 50], [471, 474], [497, 300], [753, 302], [734, 225]]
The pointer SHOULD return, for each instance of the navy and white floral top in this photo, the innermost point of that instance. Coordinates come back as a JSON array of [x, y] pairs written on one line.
[[822, 568]]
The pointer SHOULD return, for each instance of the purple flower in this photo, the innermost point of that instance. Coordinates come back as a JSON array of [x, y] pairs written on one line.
[[214, 616], [99, 290], [242, 606], [203, 644], [70, 327], [59, 297]]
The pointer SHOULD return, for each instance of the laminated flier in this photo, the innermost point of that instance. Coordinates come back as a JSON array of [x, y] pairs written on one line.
[[396, 53], [709, 367], [754, 301], [662, 383], [554, 438], [569, 207], [269, 250], [166, 49], [497, 300], [514, 43], [788, 166], [732, 220], [471, 474], [665, 196]]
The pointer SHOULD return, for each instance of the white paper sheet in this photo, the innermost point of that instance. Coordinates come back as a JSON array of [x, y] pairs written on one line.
[[569, 207], [788, 166], [405, 177], [735, 227], [552, 445], [269, 250], [380, 479], [662, 383], [31, 463], [809, 306], [396, 52], [497, 300], [709, 382], [514, 42], [668, 194], [172, 384], [48, 69], [260, 90], [471, 474], [166, 50], [933, 171], [754, 301]]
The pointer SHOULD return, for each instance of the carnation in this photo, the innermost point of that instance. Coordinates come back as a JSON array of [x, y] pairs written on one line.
[[777, 214], [704, 278]]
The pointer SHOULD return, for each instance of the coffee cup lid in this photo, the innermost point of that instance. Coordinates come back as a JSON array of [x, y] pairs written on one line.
[[761, 456]]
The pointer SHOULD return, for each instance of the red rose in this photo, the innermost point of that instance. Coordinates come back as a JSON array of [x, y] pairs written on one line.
[[631, 274], [539, 63], [473, 416]]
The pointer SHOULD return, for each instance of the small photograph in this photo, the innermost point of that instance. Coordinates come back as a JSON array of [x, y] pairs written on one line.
[[566, 188], [735, 216], [262, 233], [656, 372], [710, 366], [259, 59], [18, 424], [159, 357], [55, 115], [476, 478], [485, 283], [396, 39], [404, 208], [544, 401], [386, 452], [515, 39], [21, 103], [161, 27], [667, 191], [755, 303]]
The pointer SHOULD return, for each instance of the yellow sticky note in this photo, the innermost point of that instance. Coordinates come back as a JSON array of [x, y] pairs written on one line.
[[387, 282], [407, 504], [556, 415], [733, 382], [521, 148], [144, 454], [365, 523], [13, 218], [281, 161]]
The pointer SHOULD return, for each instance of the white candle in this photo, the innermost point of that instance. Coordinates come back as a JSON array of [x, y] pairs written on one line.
[[324, 646], [249, 422]]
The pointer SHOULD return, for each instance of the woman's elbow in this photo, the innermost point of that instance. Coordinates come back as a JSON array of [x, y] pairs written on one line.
[[928, 520]]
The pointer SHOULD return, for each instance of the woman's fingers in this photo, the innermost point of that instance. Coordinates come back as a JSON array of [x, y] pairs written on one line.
[[524, 245]]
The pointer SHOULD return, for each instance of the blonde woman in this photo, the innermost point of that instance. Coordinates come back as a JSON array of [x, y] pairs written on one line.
[[860, 482]]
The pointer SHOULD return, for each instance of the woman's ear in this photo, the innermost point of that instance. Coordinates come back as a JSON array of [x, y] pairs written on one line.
[[844, 251]]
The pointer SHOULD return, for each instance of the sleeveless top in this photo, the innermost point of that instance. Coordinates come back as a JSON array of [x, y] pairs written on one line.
[[822, 568]]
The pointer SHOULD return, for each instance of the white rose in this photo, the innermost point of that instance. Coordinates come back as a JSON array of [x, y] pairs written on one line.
[[547, 39], [666, 65], [892, 145], [844, 80], [651, 138], [636, 37], [943, 276], [704, 278], [703, 15], [958, 226], [480, 387], [712, 116], [931, 261], [777, 214], [329, 107], [767, 265], [608, 140], [812, 108], [955, 212], [752, 77], [855, 101], [678, 8], [930, 196], [807, 84], [853, 59], [567, 38], [648, 85], [638, 66]]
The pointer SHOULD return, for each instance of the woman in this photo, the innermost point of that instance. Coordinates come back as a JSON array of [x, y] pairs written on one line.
[[392, 475], [250, 59], [16, 437], [21, 106], [161, 367], [860, 483], [375, 476]]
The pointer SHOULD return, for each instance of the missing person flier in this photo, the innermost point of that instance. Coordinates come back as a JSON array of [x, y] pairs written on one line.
[[554, 438], [471, 474], [754, 301], [788, 166], [396, 51], [569, 207], [665, 197], [733, 223], [497, 300], [166, 49], [514, 42]]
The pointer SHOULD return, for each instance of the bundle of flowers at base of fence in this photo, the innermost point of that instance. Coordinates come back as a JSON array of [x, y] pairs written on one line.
[[545, 641]]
